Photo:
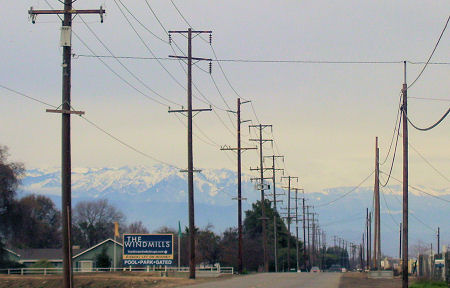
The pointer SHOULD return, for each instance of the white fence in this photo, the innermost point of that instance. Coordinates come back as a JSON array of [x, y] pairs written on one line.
[[164, 270]]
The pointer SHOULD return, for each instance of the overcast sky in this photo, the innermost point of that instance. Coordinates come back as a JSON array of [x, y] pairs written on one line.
[[325, 117]]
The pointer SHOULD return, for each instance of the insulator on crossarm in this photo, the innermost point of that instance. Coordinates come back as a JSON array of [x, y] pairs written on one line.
[[210, 38], [210, 67], [170, 39]]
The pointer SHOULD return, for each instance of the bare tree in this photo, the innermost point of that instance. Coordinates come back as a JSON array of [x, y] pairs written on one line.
[[136, 227], [94, 221]]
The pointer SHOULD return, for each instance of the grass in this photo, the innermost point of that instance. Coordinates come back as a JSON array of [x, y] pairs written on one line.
[[429, 284]]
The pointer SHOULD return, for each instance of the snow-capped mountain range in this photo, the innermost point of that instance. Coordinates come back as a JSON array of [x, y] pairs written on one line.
[[157, 195]]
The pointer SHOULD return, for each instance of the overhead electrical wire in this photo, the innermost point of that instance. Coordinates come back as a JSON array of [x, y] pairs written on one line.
[[393, 157], [346, 193], [432, 126], [431, 99], [398, 118], [118, 75], [124, 66], [218, 60], [411, 211], [432, 53], [97, 127], [428, 162], [420, 190]]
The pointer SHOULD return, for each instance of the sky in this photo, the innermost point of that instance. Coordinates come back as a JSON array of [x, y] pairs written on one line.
[[325, 117]]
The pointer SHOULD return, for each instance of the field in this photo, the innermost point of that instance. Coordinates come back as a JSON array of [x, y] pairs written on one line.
[[97, 280]]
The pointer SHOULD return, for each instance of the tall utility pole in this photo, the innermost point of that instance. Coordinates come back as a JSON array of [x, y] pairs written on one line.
[[376, 190], [66, 111], [190, 169], [296, 227], [289, 219], [275, 230], [405, 182], [363, 247], [304, 231], [239, 198], [309, 238], [400, 247], [367, 239], [313, 230], [262, 188], [438, 241]]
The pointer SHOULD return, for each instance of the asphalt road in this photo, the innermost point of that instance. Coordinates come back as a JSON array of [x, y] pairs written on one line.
[[279, 280]]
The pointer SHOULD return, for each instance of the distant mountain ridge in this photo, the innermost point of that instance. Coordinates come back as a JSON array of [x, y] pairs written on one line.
[[157, 195]]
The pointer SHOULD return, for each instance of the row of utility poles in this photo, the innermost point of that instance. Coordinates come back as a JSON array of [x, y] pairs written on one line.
[[66, 111]]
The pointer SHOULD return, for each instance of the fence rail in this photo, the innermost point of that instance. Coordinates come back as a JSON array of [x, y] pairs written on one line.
[[48, 271]]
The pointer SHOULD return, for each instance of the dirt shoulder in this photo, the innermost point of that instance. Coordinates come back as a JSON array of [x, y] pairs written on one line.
[[360, 280], [135, 280]]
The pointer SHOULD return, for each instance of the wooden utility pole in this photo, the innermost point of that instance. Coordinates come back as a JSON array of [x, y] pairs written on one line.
[[368, 236], [289, 219], [405, 182], [275, 229], [370, 240], [296, 228], [239, 198], [304, 231], [377, 237], [438, 241], [363, 248], [66, 111], [400, 248], [262, 187], [309, 235], [190, 169]]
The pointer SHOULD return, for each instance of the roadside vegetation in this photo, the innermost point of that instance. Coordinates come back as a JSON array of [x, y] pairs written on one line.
[[429, 284]]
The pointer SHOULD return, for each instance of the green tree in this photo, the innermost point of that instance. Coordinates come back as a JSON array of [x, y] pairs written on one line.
[[39, 225], [10, 174], [253, 250], [103, 260]]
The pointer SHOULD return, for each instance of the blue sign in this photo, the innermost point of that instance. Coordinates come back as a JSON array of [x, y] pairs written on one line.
[[147, 249]]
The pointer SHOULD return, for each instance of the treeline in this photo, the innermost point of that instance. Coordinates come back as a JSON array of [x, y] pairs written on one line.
[[34, 221]]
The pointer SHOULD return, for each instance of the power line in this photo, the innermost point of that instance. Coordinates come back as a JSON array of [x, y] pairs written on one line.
[[431, 99], [393, 157], [432, 53], [387, 207], [428, 162], [118, 75], [125, 67], [348, 192], [420, 190], [395, 130], [29, 97], [206, 101], [218, 61], [179, 12], [432, 126], [97, 127], [145, 44], [411, 211]]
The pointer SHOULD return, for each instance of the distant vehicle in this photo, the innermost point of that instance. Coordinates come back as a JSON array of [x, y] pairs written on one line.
[[344, 270], [335, 268], [315, 269]]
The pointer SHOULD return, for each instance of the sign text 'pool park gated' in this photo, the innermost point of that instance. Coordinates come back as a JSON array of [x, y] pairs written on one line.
[[147, 249]]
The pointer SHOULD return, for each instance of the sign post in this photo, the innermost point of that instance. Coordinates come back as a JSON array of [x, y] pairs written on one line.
[[147, 249]]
